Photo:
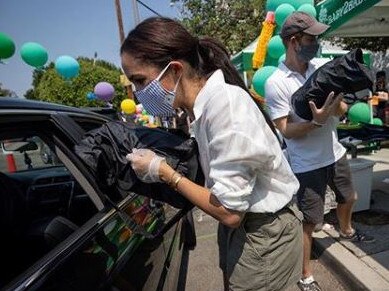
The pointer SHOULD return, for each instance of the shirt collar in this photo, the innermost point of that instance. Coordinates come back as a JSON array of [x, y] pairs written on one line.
[[208, 90], [289, 72]]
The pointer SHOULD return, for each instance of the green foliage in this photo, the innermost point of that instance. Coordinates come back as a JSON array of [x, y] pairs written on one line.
[[235, 23], [6, 92], [374, 44], [49, 86]]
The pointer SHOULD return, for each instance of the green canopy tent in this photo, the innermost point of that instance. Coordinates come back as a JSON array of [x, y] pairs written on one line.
[[355, 18], [243, 60], [372, 20]]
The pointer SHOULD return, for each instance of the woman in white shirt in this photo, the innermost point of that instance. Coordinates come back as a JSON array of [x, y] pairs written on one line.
[[249, 184]]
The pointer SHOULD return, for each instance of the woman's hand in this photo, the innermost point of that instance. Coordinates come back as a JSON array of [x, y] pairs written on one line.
[[146, 165], [330, 107]]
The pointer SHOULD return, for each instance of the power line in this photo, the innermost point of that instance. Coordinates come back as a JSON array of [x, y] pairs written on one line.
[[149, 8]]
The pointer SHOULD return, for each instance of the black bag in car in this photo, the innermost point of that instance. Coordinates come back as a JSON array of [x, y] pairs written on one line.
[[347, 74], [104, 151]]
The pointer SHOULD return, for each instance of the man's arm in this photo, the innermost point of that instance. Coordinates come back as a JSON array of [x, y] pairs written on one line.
[[293, 129], [332, 106]]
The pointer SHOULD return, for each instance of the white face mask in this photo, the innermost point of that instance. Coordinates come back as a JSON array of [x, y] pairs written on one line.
[[156, 99]]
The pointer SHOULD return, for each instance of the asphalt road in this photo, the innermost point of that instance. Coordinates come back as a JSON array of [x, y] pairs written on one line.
[[205, 275]]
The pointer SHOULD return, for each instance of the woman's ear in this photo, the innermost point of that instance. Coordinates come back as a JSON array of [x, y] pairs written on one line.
[[177, 68]]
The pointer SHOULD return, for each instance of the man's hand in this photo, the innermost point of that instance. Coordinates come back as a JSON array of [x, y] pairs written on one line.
[[146, 164], [329, 108]]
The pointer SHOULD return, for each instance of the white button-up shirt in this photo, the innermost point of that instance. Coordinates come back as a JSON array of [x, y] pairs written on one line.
[[240, 156]]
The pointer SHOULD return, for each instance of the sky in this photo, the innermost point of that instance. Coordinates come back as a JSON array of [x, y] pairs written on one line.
[[67, 27]]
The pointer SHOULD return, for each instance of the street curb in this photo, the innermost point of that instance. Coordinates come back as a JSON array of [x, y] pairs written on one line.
[[355, 273]]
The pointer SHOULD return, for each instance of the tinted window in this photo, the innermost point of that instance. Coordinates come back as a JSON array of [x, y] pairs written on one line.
[[26, 153], [41, 203]]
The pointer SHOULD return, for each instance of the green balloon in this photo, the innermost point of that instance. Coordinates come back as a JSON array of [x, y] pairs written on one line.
[[271, 5], [309, 9], [297, 3], [260, 77], [359, 112], [271, 62], [377, 121], [282, 12], [275, 47], [34, 54], [281, 58], [7, 46]]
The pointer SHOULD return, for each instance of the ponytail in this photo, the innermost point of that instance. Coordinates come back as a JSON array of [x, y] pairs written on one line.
[[159, 40]]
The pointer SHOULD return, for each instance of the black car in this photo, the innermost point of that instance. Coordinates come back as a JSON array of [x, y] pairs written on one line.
[[60, 231]]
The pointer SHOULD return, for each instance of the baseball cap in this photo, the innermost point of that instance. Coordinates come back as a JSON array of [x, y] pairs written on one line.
[[302, 22]]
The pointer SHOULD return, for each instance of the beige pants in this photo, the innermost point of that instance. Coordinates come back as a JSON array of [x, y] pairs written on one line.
[[265, 252]]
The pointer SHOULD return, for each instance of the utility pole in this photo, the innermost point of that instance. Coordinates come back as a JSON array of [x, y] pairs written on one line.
[[120, 20], [123, 79]]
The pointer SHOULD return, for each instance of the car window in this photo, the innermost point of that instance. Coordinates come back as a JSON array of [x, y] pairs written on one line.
[[26, 153], [120, 255], [41, 202]]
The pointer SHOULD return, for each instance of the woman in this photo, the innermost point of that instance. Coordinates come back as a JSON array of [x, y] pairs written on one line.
[[249, 185]]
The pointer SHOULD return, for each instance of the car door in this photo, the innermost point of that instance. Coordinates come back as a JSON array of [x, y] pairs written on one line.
[[106, 250], [154, 256]]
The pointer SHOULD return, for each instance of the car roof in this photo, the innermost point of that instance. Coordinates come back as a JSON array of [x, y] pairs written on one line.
[[26, 104]]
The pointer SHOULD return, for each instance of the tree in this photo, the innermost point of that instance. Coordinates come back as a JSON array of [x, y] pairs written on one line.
[[374, 44], [49, 86], [235, 23], [6, 92]]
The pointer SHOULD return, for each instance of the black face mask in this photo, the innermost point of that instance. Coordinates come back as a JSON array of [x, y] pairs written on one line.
[[307, 52]]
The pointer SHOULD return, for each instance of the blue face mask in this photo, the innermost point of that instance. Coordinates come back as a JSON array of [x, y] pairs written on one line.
[[156, 99]]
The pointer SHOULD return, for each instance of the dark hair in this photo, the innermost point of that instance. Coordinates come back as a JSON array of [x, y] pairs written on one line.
[[381, 81], [286, 39], [159, 40]]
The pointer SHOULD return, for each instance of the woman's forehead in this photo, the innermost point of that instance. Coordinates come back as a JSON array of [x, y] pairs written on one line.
[[133, 66]]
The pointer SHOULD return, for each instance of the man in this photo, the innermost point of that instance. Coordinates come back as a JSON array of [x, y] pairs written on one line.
[[316, 156]]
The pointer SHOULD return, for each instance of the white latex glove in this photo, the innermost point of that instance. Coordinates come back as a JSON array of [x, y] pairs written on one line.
[[146, 164]]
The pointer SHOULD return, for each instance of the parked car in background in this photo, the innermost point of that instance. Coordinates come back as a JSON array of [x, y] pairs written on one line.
[[60, 231]]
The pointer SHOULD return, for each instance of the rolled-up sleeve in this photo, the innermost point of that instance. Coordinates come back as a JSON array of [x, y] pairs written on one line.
[[240, 156], [233, 170], [239, 146]]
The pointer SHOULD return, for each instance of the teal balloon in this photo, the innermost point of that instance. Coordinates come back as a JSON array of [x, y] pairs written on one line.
[[297, 3], [269, 61], [67, 67], [260, 77], [34, 54], [282, 12], [281, 58], [309, 9], [7, 46], [90, 96], [275, 47], [359, 112], [377, 121], [271, 5]]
